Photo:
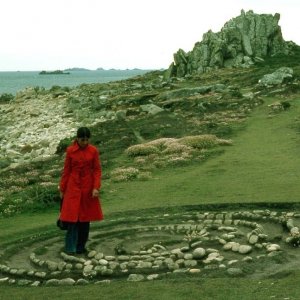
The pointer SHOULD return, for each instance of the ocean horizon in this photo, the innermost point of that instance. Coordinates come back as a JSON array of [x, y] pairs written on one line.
[[13, 81]]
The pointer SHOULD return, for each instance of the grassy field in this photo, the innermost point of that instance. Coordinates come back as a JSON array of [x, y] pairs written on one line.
[[262, 166], [192, 288]]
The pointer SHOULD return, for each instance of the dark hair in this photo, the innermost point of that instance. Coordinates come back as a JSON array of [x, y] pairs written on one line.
[[83, 132]]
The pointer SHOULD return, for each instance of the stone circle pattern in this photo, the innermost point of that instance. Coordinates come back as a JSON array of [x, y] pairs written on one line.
[[154, 247]]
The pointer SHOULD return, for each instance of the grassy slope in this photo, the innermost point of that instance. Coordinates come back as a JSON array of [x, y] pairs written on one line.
[[262, 166]]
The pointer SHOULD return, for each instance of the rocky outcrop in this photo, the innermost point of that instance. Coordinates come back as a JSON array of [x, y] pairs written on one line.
[[242, 41]]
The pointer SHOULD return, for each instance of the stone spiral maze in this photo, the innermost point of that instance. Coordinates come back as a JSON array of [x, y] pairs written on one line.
[[157, 246]]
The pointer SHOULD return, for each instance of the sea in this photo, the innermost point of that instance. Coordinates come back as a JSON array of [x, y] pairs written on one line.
[[12, 82]]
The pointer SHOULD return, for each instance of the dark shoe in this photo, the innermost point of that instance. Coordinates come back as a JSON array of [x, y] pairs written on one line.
[[81, 251], [70, 253]]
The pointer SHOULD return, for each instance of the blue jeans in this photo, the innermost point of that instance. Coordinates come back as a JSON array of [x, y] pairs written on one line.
[[76, 236]]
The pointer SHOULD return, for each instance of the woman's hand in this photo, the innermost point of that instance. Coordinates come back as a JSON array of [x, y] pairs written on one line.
[[95, 193], [61, 194]]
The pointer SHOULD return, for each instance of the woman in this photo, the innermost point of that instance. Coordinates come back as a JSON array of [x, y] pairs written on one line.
[[79, 189]]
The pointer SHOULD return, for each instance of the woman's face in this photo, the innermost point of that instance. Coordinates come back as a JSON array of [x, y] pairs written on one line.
[[83, 142]]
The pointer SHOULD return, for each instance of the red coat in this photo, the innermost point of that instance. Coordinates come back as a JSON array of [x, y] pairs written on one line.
[[81, 174]]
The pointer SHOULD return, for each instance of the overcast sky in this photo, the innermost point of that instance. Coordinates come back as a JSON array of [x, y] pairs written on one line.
[[59, 34]]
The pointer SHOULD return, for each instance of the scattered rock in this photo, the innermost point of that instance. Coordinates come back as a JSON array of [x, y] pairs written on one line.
[[135, 277], [235, 272]]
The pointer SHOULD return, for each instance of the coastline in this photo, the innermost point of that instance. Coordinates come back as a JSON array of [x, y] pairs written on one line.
[[13, 81]]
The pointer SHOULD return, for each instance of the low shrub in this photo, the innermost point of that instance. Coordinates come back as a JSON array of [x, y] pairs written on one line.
[[141, 150], [200, 141], [124, 174], [63, 144], [176, 147], [4, 163], [4, 98]]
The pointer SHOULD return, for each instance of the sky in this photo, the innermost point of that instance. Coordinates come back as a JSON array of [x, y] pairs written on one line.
[[121, 34]]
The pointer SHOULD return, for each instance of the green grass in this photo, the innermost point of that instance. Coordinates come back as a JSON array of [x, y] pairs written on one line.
[[176, 289], [261, 166]]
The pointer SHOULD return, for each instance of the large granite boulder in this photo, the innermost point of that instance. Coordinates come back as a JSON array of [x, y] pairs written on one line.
[[241, 42], [280, 76]]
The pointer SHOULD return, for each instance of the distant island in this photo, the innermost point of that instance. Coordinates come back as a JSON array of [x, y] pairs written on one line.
[[77, 69], [118, 70], [57, 72], [100, 69]]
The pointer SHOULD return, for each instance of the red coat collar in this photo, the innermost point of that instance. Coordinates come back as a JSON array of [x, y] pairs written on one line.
[[74, 147]]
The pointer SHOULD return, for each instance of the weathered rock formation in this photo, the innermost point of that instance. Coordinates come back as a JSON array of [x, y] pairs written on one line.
[[241, 42]]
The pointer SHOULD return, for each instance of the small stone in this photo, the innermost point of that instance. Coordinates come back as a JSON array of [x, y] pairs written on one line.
[[103, 262], [144, 265], [190, 263], [40, 274], [253, 239], [234, 271], [52, 282], [135, 277], [110, 258], [113, 265], [92, 254], [152, 276], [21, 272], [194, 271], [23, 282], [52, 266], [231, 262], [55, 273], [99, 256], [123, 258], [235, 247], [247, 259], [245, 249], [30, 273], [87, 270], [188, 256], [178, 253], [184, 249], [181, 271], [66, 281], [196, 244], [82, 281], [61, 265], [106, 281], [158, 262], [228, 246], [88, 262], [273, 247], [78, 266], [107, 272], [4, 280], [199, 253], [159, 247]]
